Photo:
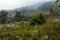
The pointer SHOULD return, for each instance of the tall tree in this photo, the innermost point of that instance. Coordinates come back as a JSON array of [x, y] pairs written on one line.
[[58, 4], [18, 16], [3, 16], [57, 8]]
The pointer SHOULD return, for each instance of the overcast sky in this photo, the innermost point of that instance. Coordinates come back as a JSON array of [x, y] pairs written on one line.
[[11, 4]]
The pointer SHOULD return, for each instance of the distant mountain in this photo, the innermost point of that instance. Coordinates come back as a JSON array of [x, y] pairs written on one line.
[[29, 8], [46, 6], [36, 8]]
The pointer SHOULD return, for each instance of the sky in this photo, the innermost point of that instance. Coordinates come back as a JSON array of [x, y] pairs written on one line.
[[12, 4]]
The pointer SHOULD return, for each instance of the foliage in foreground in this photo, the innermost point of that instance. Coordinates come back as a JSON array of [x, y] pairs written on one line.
[[27, 32]]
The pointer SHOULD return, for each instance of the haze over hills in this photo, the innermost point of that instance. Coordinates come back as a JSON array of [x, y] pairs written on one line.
[[38, 7], [12, 4], [41, 5]]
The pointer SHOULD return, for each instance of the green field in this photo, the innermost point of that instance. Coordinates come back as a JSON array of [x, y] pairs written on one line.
[[24, 31]]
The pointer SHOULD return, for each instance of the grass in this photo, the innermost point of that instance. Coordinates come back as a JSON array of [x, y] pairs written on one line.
[[28, 32]]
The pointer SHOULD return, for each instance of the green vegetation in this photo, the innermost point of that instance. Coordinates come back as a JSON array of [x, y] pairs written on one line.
[[18, 16], [3, 16], [38, 19], [57, 7], [38, 27], [24, 31]]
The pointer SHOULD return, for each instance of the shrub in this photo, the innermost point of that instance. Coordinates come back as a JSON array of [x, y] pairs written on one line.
[[38, 19]]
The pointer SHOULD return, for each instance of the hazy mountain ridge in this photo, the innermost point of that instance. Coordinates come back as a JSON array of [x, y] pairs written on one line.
[[36, 8]]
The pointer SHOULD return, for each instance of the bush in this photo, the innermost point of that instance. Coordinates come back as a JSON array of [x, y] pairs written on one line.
[[38, 19]]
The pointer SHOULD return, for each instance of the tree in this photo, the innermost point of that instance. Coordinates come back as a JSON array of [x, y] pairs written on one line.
[[57, 8], [18, 16], [38, 19], [3, 16], [57, 1], [41, 19], [58, 5]]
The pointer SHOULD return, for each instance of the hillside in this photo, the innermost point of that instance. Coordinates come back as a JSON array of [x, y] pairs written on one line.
[[36, 8]]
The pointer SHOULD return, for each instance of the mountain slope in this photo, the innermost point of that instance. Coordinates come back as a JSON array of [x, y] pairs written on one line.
[[36, 8], [46, 6]]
